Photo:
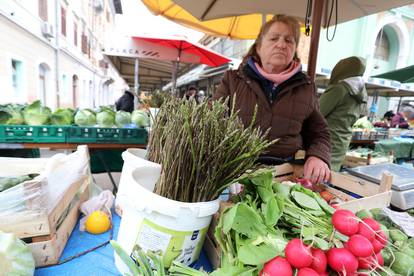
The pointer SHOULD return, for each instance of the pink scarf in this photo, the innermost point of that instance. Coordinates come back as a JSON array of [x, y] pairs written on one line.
[[293, 68]]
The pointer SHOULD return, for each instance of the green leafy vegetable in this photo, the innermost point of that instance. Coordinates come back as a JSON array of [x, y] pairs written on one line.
[[85, 117], [122, 118], [62, 116], [36, 114]]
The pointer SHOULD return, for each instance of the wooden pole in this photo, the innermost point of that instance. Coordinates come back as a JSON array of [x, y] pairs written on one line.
[[316, 28]]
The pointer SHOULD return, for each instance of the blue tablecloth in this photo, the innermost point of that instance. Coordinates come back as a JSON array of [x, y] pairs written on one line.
[[98, 262]]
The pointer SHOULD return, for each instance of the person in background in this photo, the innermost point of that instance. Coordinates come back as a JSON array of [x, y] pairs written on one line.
[[402, 119], [191, 93], [271, 78], [201, 96], [342, 103], [386, 120], [125, 102]]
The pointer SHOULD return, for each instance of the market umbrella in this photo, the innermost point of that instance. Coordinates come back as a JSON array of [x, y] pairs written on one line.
[[194, 14], [403, 75], [174, 48]]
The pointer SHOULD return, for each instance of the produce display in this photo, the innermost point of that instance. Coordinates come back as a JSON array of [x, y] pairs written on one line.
[[202, 148], [278, 229], [35, 114]]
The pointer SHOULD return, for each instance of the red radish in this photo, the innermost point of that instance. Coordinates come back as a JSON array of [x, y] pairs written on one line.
[[324, 274], [306, 271], [305, 183], [372, 223], [366, 263], [319, 260], [341, 259], [377, 245], [379, 259], [381, 237], [366, 231], [298, 254], [360, 246], [345, 222], [277, 266]]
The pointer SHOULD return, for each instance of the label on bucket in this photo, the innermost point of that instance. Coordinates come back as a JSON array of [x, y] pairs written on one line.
[[183, 246]]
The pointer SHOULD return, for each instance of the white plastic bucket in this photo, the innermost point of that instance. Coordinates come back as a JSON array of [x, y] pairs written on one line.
[[133, 158], [155, 223]]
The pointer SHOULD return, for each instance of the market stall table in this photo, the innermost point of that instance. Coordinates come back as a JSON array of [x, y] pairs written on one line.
[[97, 262], [400, 147], [98, 152]]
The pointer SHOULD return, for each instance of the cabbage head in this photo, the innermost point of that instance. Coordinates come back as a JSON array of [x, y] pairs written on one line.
[[62, 116], [85, 117], [140, 118], [105, 118], [11, 114], [15, 256], [122, 118], [35, 114]]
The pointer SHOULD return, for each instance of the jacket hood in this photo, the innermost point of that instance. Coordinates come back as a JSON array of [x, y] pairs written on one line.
[[346, 68], [356, 89]]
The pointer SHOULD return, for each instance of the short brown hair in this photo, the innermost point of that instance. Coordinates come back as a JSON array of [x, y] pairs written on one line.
[[291, 21]]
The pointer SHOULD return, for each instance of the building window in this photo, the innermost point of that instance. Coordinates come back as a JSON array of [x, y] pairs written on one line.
[[42, 9], [75, 34], [84, 44], [63, 21], [42, 83], [17, 76], [382, 46]]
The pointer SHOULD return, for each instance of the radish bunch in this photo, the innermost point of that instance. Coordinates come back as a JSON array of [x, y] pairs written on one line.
[[363, 248], [308, 261]]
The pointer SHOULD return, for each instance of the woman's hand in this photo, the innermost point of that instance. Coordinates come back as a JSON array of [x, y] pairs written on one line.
[[316, 170]]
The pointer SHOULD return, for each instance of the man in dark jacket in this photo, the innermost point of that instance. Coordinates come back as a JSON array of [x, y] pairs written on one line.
[[342, 103], [125, 102]]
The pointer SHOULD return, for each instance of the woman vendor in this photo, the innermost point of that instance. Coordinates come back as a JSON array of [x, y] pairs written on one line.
[[270, 76]]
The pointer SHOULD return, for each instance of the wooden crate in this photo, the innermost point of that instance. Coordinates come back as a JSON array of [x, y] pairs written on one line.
[[47, 234], [374, 196], [353, 161]]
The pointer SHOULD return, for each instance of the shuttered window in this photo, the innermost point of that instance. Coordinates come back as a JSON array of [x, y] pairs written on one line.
[[42, 9], [63, 21], [84, 44], [75, 34]]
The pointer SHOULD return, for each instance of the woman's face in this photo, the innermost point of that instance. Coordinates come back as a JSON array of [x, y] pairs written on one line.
[[277, 48]]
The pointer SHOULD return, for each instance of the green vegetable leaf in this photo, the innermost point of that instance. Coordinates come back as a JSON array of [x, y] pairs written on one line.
[[248, 222], [228, 218], [325, 206], [282, 190], [255, 255], [305, 201], [271, 212]]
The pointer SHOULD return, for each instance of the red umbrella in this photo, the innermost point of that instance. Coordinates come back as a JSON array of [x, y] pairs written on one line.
[[175, 48]]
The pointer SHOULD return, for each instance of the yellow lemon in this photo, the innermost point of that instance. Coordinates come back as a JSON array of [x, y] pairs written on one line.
[[97, 222]]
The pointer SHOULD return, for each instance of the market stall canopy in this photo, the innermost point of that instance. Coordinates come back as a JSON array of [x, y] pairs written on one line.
[[403, 75], [162, 48], [347, 9], [194, 13], [243, 19]]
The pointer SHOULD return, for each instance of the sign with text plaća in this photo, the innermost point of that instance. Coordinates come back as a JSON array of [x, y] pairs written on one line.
[[137, 48]]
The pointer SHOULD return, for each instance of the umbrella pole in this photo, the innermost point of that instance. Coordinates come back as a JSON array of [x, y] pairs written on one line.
[[136, 70], [399, 104], [175, 71], [316, 28]]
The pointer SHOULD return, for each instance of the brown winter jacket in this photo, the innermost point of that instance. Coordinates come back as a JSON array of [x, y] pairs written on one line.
[[293, 116]]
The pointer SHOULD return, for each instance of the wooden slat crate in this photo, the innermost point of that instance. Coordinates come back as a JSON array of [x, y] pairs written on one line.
[[353, 161], [374, 196], [47, 233]]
